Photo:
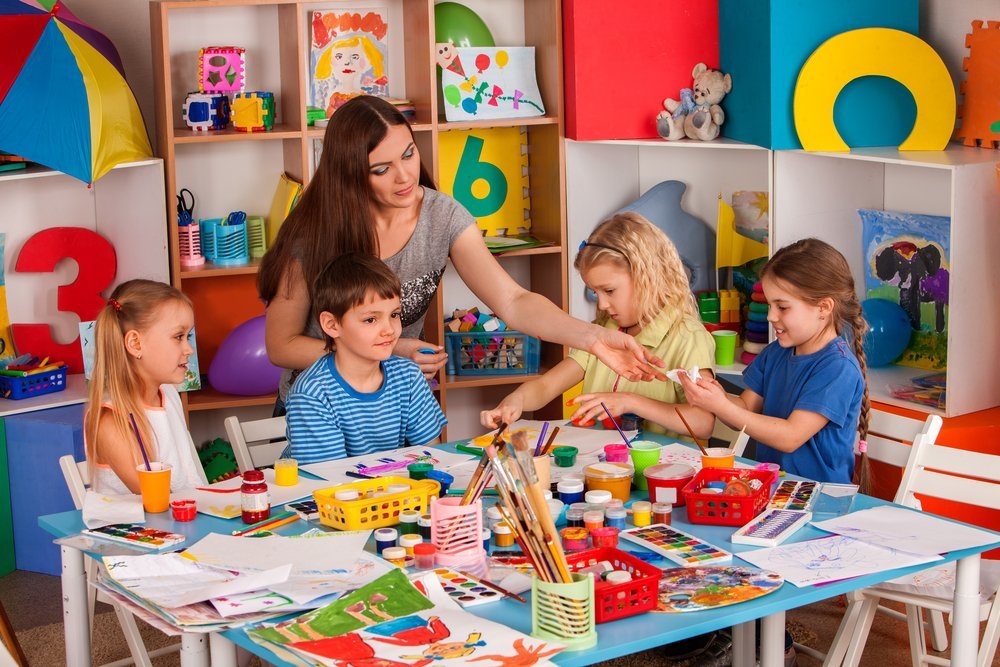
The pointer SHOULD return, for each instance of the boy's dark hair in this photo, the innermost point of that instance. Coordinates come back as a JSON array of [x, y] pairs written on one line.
[[348, 280]]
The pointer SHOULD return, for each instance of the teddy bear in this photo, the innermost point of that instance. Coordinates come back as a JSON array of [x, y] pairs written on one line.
[[697, 114]]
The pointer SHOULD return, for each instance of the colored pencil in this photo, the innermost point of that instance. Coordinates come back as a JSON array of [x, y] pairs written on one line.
[[552, 440], [358, 475], [690, 432], [541, 438], [142, 448], [266, 522], [461, 492], [617, 427], [498, 589], [271, 526], [470, 449]]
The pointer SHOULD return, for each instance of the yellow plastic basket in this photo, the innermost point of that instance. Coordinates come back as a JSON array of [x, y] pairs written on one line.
[[374, 512]]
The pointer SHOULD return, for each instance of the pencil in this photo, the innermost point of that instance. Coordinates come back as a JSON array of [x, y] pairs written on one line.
[[488, 584], [271, 526], [266, 522]]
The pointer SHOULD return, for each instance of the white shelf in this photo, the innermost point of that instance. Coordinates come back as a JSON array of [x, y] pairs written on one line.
[[38, 171], [75, 392], [689, 144], [955, 155], [733, 369], [880, 378]]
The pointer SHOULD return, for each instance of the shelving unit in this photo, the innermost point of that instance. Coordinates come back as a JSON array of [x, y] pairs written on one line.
[[232, 170]]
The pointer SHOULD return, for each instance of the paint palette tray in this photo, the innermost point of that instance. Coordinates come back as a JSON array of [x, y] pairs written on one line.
[[135, 534], [464, 590], [771, 528], [677, 546], [794, 495]]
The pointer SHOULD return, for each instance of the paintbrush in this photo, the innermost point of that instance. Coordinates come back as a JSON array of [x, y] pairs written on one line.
[[740, 439], [489, 584], [138, 438], [690, 432], [541, 509], [480, 469], [617, 427]]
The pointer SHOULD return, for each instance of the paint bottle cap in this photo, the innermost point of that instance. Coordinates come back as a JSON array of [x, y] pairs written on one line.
[[618, 577], [424, 549], [502, 529], [614, 502], [409, 516], [547, 494], [641, 506], [615, 512], [346, 494], [597, 497], [410, 540], [394, 553], [424, 520], [386, 535], [570, 486], [493, 513], [662, 508], [593, 516]]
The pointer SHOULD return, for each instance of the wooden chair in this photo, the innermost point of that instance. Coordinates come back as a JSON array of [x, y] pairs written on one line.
[[258, 443], [890, 440], [77, 477], [11, 653], [971, 478]]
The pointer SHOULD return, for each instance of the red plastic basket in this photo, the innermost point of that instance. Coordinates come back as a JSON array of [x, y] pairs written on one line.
[[614, 601], [721, 509]]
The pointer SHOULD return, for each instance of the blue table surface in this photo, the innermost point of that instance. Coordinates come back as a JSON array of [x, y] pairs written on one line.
[[617, 638]]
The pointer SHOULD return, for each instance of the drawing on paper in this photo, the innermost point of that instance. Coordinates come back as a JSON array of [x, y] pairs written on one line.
[[348, 56]]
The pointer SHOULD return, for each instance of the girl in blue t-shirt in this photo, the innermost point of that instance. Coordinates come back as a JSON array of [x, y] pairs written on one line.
[[806, 392]]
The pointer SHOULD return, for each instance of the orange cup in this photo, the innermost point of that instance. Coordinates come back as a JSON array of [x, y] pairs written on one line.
[[155, 486], [718, 457]]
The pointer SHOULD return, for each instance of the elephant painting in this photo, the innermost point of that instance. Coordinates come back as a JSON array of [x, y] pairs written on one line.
[[921, 278]]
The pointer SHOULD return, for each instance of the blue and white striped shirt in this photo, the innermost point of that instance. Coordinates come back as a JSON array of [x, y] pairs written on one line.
[[329, 419]]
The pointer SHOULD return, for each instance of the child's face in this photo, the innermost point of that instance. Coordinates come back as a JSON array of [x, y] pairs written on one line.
[[796, 322], [394, 169], [367, 331], [613, 286], [165, 346]]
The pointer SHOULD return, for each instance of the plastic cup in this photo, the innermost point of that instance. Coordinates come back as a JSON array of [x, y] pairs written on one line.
[[286, 472], [644, 453], [725, 347], [718, 457], [543, 468], [154, 484]]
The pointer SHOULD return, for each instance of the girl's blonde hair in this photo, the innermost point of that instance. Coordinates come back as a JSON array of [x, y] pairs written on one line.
[[815, 270], [631, 242], [133, 305]]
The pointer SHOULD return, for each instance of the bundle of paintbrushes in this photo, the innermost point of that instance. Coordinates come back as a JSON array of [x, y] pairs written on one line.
[[523, 506], [482, 476]]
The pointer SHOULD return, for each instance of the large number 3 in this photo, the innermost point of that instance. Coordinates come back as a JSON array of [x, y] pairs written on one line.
[[97, 263]]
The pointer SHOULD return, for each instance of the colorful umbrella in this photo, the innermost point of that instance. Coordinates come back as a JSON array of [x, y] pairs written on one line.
[[64, 101]]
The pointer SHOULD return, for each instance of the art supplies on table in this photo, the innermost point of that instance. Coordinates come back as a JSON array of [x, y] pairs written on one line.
[[306, 509], [696, 589], [136, 534], [466, 591], [771, 528], [222, 499], [682, 548], [380, 464], [794, 495]]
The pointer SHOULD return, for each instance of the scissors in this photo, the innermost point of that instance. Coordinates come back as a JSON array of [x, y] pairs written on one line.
[[236, 218], [184, 209]]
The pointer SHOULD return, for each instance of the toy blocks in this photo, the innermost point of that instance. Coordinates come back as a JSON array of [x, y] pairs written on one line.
[[980, 108], [763, 45], [622, 59], [253, 112], [206, 111], [722, 307], [221, 69]]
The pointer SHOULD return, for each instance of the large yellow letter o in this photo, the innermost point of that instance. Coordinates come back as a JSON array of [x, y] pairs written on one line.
[[874, 52]]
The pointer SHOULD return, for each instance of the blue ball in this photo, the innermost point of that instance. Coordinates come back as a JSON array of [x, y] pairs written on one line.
[[889, 332]]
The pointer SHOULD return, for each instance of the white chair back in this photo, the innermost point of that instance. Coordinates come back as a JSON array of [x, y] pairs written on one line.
[[257, 443], [972, 478], [77, 476]]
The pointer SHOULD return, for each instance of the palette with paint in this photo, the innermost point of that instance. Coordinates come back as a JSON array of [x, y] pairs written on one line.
[[137, 535], [464, 590], [792, 495], [673, 543], [771, 528]]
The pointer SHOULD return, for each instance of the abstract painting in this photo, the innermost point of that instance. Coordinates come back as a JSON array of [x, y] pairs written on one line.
[[348, 56], [908, 261]]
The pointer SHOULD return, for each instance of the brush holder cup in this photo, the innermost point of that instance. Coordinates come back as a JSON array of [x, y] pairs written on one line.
[[457, 531], [564, 612], [189, 241]]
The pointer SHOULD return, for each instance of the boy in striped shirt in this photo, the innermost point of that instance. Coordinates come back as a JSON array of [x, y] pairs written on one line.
[[358, 398]]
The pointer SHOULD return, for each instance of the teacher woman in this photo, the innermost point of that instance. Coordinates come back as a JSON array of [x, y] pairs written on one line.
[[371, 194]]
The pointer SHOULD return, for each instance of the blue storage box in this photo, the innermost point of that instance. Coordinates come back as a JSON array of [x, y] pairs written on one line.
[[491, 353], [37, 384]]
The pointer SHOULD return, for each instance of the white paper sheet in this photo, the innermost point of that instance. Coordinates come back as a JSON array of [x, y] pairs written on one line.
[[830, 559], [383, 463], [676, 452], [268, 601], [317, 555], [305, 589], [104, 510], [907, 530], [223, 500]]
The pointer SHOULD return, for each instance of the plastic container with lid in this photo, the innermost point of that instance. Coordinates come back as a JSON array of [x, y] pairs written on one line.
[[423, 554], [419, 470], [598, 497], [613, 477], [493, 516], [254, 501], [570, 491], [574, 538], [642, 513], [445, 479], [593, 519], [385, 538], [616, 452], [615, 517], [564, 456], [503, 536], [346, 494], [574, 517], [408, 522], [606, 536], [408, 542], [395, 555], [662, 513], [666, 480], [424, 526]]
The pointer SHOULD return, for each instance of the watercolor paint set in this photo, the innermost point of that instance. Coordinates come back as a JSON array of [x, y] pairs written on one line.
[[797, 496], [465, 590], [137, 535], [772, 527], [677, 546], [306, 509]]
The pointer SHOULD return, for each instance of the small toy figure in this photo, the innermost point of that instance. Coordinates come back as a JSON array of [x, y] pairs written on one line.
[[697, 115]]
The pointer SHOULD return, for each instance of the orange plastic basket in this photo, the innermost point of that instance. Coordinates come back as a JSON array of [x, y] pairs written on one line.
[[370, 511], [722, 509], [614, 601]]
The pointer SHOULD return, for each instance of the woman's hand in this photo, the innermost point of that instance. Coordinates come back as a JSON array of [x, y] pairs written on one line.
[[704, 393], [430, 364], [625, 356], [590, 410], [508, 412]]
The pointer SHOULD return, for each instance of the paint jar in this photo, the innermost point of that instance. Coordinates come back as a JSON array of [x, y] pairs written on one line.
[[492, 516], [184, 510], [286, 472], [666, 480], [385, 537], [570, 491], [662, 513], [615, 517], [254, 500], [613, 503], [346, 494], [410, 541], [424, 526], [616, 453], [397, 488], [642, 513], [630, 422], [574, 539], [593, 519], [772, 468], [395, 556], [423, 555], [613, 477], [443, 478], [419, 470], [597, 499], [574, 517], [408, 522], [503, 536], [555, 509], [487, 534], [605, 536], [565, 456], [618, 577]]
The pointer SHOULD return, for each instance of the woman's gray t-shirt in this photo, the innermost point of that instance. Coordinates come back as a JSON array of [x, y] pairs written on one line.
[[419, 265]]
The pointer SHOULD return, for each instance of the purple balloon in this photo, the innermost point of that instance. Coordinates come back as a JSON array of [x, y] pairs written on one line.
[[241, 365]]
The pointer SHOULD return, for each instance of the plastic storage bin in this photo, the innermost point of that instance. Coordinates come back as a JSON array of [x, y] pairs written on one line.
[[491, 353], [29, 386], [614, 601], [721, 509], [368, 512]]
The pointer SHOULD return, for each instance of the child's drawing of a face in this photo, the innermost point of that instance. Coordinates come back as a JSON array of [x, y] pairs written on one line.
[[445, 53], [349, 63]]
